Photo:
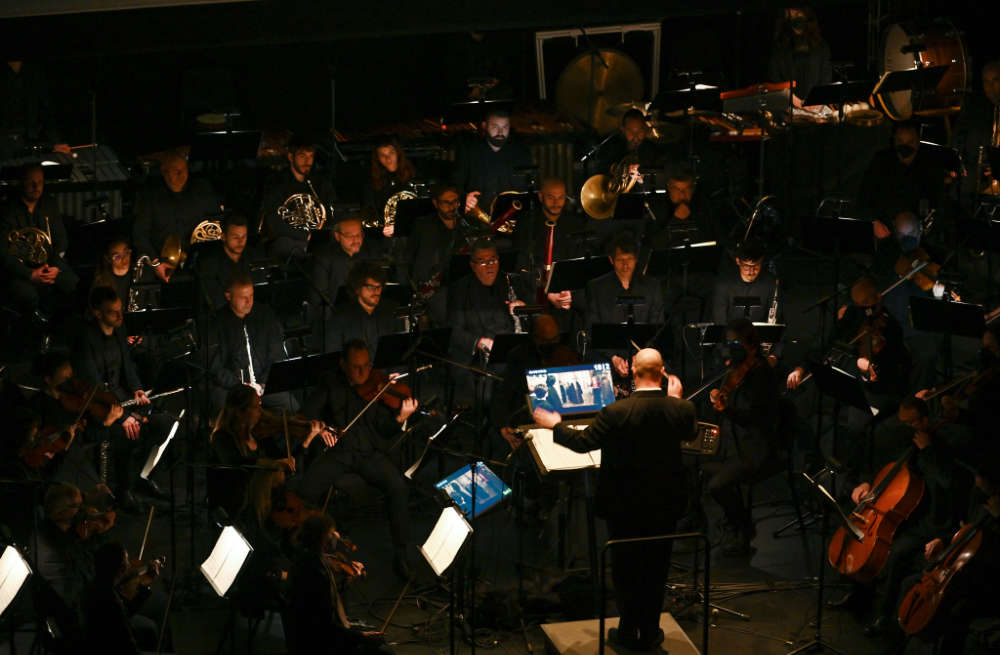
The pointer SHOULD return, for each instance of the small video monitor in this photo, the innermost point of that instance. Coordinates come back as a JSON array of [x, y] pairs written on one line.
[[571, 390]]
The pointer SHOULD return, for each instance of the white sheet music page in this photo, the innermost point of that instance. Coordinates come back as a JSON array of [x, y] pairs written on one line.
[[554, 457], [226, 560], [445, 540]]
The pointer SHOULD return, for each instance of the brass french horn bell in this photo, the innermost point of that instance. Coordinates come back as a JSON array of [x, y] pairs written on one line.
[[172, 253], [599, 195]]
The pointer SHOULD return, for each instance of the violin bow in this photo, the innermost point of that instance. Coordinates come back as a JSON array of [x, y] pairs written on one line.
[[288, 443], [326, 502], [145, 534], [166, 615]]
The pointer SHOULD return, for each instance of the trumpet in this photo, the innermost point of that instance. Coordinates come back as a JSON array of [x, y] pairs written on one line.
[[599, 195]]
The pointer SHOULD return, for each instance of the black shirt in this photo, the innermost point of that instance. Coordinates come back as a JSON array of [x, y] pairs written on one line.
[[279, 189], [730, 287], [429, 249], [229, 357], [649, 155], [603, 293], [336, 403], [531, 234], [806, 69], [479, 168], [16, 215], [668, 230], [890, 186], [160, 212], [476, 311], [105, 361], [215, 269], [329, 273], [351, 321]]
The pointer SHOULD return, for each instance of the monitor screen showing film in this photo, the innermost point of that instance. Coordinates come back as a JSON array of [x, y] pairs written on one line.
[[490, 489], [571, 390]]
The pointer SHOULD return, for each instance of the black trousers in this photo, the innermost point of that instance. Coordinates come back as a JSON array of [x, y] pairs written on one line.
[[639, 572], [334, 468], [129, 455], [28, 296]]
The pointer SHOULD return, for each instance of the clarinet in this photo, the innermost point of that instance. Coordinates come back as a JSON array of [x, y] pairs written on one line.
[[518, 320], [246, 337], [772, 313]]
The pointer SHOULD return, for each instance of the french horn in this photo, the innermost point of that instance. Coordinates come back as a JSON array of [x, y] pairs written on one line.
[[30, 245], [599, 195], [302, 211], [207, 231], [501, 217]]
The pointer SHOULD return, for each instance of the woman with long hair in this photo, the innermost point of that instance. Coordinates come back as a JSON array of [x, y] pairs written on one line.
[[799, 53], [390, 171], [114, 267]]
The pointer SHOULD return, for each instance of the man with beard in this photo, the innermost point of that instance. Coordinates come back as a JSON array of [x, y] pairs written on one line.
[[799, 53], [173, 208], [434, 238], [688, 216], [632, 141], [978, 126], [29, 282], [217, 267], [486, 167], [300, 179], [365, 316]]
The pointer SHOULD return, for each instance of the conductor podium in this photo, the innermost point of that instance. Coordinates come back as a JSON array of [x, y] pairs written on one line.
[[581, 637]]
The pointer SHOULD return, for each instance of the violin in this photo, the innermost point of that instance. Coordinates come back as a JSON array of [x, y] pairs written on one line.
[[392, 397], [340, 561], [139, 573], [895, 493], [292, 513], [938, 585], [48, 443], [732, 381], [274, 422], [90, 520], [926, 276]]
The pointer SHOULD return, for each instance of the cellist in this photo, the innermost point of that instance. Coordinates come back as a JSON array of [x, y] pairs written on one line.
[[748, 403], [929, 460]]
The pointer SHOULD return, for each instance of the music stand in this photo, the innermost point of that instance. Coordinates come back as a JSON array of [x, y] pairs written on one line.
[[300, 372], [571, 274], [397, 349], [915, 80], [947, 318], [504, 343], [226, 560], [14, 570], [616, 336], [849, 234], [407, 213], [157, 320], [838, 93], [224, 146]]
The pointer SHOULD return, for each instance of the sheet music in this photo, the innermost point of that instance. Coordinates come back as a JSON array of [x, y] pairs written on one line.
[[445, 540], [226, 560], [157, 453], [550, 456], [420, 460], [14, 570]]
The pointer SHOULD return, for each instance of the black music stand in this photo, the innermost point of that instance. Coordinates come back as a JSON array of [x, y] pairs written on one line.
[[504, 343], [407, 213], [179, 293], [917, 80], [619, 336], [224, 145], [157, 320], [571, 274], [838, 93], [947, 318], [300, 372], [397, 349]]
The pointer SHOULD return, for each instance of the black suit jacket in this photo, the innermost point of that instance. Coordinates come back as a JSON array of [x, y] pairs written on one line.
[[88, 361], [640, 439]]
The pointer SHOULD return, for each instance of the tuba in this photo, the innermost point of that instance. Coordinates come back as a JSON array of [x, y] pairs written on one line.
[[599, 195], [501, 217], [207, 231], [29, 245]]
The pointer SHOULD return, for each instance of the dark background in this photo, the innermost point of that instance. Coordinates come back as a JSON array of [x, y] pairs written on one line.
[[150, 71]]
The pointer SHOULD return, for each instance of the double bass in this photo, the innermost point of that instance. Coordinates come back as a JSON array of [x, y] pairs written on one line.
[[942, 582], [895, 493]]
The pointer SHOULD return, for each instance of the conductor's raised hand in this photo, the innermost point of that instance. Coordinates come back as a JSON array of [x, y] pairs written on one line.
[[545, 418]]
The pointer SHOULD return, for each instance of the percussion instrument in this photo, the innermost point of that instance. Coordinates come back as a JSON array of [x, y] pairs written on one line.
[[906, 46]]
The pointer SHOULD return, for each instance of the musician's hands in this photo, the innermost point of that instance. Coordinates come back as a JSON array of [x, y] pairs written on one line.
[[796, 101], [841, 311], [62, 148], [140, 398], [162, 271], [471, 200], [620, 366], [545, 418], [511, 304], [114, 413], [259, 388], [932, 548], [794, 378], [880, 230], [330, 437], [674, 387], [315, 427], [922, 394], [921, 439], [406, 409], [133, 340], [864, 365], [562, 300], [45, 274], [388, 231], [718, 399], [131, 427], [289, 463], [484, 344], [512, 438], [860, 492]]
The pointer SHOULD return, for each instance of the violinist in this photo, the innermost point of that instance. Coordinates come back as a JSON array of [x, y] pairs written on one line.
[[102, 358], [239, 437], [748, 405], [362, 450], [319, 623], [931, 460]]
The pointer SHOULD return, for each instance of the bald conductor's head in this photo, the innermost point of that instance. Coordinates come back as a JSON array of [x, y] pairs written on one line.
[[647, 365]]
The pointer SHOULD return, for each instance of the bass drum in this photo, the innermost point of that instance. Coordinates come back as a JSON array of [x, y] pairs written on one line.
[[906, 46]]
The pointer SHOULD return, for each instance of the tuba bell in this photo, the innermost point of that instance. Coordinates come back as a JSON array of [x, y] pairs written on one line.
[[29, 245], [303, 211], [502, 209], [599, 195]]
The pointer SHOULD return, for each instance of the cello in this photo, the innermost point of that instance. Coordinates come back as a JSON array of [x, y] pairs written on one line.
[[895, 493], [941, 583]]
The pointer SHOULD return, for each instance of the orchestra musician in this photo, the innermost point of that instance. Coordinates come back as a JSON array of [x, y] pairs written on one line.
[[749, 291], [603, 293], [285, 240], [174, 207], [640, 488], [688, 215], [434, 239], [222, 261], [486, 167], [978, 126], [631, 141], [362, 450], [479, 307], [239, 327], [391, 172], [945, 494], [902, 176], [36, 289], [749, 408], [114, 267], [102, 358], [364, 315], [331, 265], [319, 623], [26, 116], [799, 53]]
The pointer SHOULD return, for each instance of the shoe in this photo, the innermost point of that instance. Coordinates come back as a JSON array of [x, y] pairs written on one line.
[[850, 599], [736, 543], [877, 627], [151, 489], [653, 640], [631, 642]]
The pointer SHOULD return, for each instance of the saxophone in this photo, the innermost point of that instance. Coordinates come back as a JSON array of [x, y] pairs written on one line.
[[134, 290]]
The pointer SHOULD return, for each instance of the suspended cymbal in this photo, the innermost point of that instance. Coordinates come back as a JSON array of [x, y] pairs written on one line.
[[596, 82], [621, 109]]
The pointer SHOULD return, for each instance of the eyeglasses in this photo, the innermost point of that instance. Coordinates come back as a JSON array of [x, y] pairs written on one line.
[[492, 261], [373, 287], [749, 265], [119, 256]]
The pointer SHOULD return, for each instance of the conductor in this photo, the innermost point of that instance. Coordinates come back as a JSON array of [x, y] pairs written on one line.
[[640, 488]]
